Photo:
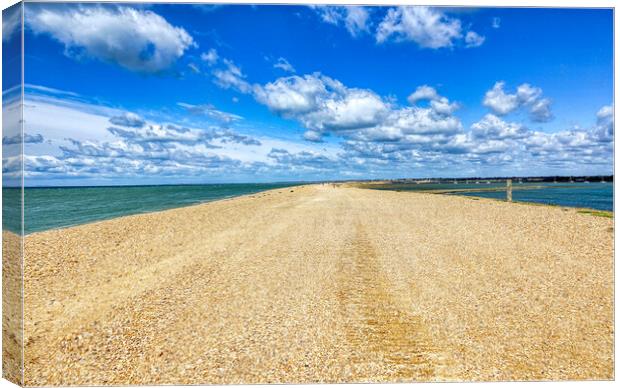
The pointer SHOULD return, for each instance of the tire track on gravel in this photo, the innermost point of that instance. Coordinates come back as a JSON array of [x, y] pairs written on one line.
[[392, 344]]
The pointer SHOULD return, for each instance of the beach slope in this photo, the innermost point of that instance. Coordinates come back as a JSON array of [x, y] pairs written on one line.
[[322, 283]]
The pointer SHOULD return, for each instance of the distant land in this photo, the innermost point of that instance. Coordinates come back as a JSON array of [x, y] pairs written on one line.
[[558, 178]]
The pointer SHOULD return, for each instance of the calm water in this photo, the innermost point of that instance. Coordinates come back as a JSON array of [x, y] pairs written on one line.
[[49, 208], [598, 195]]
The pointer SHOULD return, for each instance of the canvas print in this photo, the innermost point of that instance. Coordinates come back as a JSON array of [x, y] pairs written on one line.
[[240, 194]]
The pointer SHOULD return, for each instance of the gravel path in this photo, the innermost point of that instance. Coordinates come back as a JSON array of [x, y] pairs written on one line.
[[322, 284]]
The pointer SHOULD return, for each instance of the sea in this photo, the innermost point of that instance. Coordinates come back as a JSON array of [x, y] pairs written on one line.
[[57, 207], [591, 195], [599, 196]]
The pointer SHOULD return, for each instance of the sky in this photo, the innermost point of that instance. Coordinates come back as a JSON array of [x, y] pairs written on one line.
[[186, 93]]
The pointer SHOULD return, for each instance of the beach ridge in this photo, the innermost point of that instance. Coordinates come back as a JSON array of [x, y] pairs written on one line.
[[322, 283]]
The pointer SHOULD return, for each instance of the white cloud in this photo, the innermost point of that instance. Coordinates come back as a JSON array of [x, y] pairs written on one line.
[[380, 136], [604, 130], [423, 92], [378, 139], [428, 27], [51, 91], [313, 136], [139, 40], [496, 22], [329, 14], [473, 39], [323, 105], [231, 77], [354, 18], [11, 21], [210, 111], [605, 113], [499, 101], [443, 106], [292, 95], [128, 119], [492, 127], [439, 104], [527, 96], [210, 57], [284, 65], [540, 111], [81, 143]]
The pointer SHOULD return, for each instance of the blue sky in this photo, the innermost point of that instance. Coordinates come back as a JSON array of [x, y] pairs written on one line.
[[126, 93]]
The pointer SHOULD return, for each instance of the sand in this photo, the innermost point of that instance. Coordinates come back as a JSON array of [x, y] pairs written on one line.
[[322, 284]]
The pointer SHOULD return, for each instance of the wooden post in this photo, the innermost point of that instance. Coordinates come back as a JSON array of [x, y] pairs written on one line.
[[509, 190]]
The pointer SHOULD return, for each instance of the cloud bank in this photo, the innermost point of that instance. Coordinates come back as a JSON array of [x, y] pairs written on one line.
[[138, 40]]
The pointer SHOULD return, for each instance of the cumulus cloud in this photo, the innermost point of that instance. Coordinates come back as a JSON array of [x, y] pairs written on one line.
[[377, 134], [527, 96], [153, 149], [27, 138], [492, 127], [154, 136], [324, 105], [404, 140], [423, 92], [473, 39], [313, 136], [604, 130], [354, 18], [231, 77], [499, 101], [540, 111], [428, 27], [211, 57], [136, 39], [304, 159], [284, 65], [439, 104], [128, 119]]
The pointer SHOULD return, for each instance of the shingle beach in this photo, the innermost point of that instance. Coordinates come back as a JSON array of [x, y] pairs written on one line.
[[322, 283]]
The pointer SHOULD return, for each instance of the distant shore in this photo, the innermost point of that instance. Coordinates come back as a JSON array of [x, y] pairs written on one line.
[[322, 283]]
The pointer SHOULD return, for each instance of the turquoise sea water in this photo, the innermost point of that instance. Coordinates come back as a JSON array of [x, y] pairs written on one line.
[[592, 195], [49, 208]]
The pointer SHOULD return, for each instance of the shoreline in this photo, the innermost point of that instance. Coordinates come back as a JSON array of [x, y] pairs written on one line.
[[157, 211], [609, 213]]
